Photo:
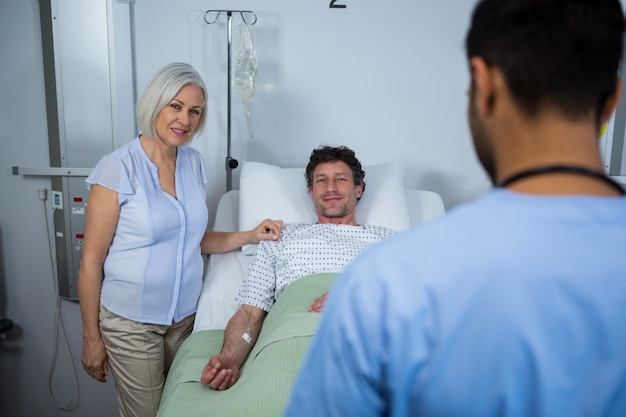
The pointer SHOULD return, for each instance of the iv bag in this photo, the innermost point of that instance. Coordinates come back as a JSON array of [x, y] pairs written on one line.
[[246, 69]]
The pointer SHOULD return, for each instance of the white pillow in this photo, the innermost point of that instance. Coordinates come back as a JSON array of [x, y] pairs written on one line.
[[268, 191]]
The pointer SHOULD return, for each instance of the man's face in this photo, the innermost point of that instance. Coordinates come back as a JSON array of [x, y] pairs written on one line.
[[480, 136], [333, 191]]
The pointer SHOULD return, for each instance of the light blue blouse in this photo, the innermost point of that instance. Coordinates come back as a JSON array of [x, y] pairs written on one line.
[[153, 270]]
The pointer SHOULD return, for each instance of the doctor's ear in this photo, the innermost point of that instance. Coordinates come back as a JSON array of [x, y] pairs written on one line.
[[481, 89], [611, 102]]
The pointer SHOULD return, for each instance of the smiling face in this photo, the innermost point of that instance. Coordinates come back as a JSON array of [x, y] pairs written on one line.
[[334, 193], [178, 121]]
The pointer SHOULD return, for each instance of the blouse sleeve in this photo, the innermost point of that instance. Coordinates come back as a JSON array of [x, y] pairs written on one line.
[[111, 173], [199, 168]]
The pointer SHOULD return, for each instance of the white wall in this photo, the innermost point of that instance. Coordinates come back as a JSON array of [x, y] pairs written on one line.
[[27, 293], [385, 78]]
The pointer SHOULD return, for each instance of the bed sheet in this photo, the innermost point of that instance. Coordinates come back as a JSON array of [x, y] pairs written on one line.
[[224, 273], [269, 372]]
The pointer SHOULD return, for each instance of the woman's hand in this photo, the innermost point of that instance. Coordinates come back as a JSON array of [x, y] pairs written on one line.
[[94, 360], [222, 242], [267, 230]]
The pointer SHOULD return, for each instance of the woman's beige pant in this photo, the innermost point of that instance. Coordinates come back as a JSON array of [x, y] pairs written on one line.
[[140, 355]]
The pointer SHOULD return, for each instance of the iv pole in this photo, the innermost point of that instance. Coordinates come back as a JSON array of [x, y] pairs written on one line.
[[231, 163]]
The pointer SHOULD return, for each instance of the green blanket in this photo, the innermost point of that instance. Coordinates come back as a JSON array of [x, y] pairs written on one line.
[[267, 375]]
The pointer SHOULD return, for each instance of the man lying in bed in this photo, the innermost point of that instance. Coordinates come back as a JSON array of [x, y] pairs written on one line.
[[335, 183]]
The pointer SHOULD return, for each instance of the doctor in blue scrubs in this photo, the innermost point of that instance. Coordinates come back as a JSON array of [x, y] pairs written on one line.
[[513, 304]]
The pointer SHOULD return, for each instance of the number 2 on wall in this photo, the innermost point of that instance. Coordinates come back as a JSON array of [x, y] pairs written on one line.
[[336, 6]]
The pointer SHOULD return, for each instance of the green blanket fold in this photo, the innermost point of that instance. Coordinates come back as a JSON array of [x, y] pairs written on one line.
[[267, 375]]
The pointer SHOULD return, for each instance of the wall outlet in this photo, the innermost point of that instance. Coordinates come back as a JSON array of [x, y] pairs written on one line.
[[57, 200]]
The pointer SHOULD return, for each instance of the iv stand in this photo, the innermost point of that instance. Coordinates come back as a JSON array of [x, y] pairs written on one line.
[[231, 163]]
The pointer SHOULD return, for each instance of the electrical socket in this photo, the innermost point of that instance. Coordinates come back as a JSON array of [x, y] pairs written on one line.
[[57, 199]]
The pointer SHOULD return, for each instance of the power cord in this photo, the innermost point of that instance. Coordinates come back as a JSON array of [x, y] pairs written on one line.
[[43, 195]]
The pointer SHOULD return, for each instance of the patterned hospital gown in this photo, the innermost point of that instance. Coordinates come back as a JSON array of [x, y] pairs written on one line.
[[304, 249]]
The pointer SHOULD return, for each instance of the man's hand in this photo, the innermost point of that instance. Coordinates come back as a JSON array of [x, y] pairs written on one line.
[[318, 304], [220, 373]]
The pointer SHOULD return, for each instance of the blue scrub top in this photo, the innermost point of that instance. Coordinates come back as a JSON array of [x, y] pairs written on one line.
[[513, 305]]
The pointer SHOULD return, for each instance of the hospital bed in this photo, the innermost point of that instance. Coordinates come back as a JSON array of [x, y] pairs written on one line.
[[268, 191]]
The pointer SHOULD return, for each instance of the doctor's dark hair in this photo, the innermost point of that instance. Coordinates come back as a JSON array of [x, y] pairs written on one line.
[[325, 154], [161, 89], [561, 54]]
